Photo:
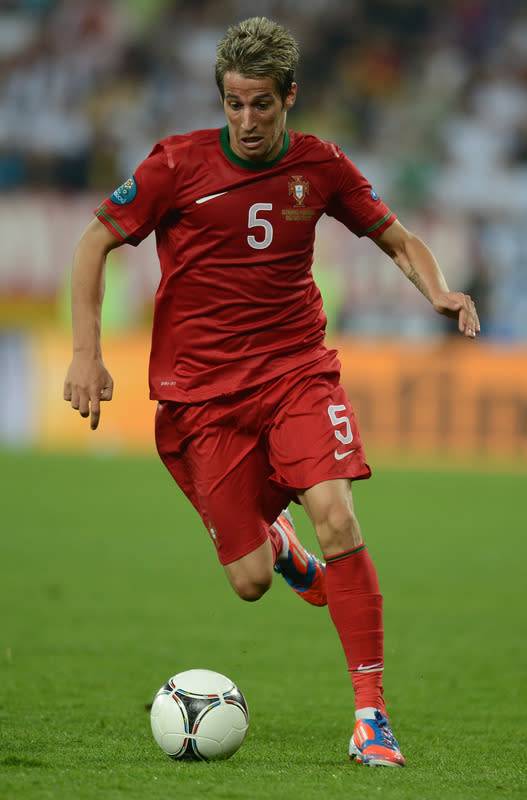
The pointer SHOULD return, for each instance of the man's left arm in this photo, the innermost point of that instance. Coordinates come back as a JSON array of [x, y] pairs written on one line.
[[419, 265]]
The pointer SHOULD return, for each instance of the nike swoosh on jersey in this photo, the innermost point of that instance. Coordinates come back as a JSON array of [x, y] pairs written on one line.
[[339, 456], [209, 197]]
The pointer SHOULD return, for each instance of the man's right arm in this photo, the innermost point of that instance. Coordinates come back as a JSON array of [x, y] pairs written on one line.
[[88, 381]]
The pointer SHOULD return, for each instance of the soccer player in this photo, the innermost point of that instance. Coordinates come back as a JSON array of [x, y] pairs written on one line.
[[251, 414]]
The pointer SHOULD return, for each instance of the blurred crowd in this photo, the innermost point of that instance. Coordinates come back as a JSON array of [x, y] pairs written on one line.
[[428, 99]]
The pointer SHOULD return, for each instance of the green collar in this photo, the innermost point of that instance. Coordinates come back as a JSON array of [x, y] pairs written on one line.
[[241, 162]]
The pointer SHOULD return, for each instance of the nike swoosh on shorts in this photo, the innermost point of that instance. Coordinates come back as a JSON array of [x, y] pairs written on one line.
[[340, 456]]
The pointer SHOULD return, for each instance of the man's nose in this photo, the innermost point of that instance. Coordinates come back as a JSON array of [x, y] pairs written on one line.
[[248, 118]]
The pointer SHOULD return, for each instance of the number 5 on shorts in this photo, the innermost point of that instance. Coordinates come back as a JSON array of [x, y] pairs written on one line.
[[345, 437]]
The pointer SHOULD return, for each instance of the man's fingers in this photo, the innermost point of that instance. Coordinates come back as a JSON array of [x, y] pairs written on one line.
[[95, 413], [87, 383], [88, 404], [460, 306], [75, 400], [106, 393], [84, 404], [468, 318], [99, 395]]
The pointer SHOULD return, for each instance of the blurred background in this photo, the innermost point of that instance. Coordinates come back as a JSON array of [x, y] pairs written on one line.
[[428, 99]]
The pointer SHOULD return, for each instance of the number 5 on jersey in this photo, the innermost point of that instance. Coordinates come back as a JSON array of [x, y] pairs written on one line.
[[259, 243]]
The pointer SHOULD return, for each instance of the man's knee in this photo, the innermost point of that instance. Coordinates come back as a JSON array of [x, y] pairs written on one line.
[[250, 587], [340, 518], [330, 507], [252, 575], [339, 529]]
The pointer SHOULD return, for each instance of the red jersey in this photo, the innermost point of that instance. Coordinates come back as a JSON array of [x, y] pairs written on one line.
[[237, 304]]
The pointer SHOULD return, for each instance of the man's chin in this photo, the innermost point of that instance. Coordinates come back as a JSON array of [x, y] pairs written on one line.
[[254, 150]]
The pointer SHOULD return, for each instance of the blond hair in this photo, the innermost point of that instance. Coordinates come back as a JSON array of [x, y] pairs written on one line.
[[257, 48]]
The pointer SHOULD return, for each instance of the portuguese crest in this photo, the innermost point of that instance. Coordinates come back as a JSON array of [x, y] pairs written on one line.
[[299, 189]]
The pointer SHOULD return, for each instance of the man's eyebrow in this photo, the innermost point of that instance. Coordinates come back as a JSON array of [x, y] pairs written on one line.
[[263, 96]]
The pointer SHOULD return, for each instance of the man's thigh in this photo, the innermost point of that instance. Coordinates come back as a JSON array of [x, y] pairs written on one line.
[[224, 471], [315, 436]]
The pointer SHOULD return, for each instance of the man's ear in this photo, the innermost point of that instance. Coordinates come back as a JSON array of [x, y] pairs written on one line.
[[291, 97]]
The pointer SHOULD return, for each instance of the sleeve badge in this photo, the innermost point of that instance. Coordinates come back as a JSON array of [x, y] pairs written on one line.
[[125, 193]]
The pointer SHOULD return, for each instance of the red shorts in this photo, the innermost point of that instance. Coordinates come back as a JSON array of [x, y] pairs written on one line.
[[242, 458]]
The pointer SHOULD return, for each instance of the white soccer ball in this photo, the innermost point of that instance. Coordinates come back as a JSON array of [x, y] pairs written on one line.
[[199, 714]]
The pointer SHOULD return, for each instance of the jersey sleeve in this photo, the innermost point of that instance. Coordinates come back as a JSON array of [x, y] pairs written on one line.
[[355, 202], [136, 207]]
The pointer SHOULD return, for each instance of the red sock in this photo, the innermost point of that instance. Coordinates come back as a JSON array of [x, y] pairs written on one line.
[[355, 605]]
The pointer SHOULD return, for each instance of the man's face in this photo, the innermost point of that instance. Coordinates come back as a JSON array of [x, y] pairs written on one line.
[[256, 116]]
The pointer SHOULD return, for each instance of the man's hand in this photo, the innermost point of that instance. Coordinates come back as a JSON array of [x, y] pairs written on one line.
[[418, 263], [461, 307], [87, 383]]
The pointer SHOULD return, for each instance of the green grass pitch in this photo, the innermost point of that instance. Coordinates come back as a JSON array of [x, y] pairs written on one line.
[[109, 585]]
